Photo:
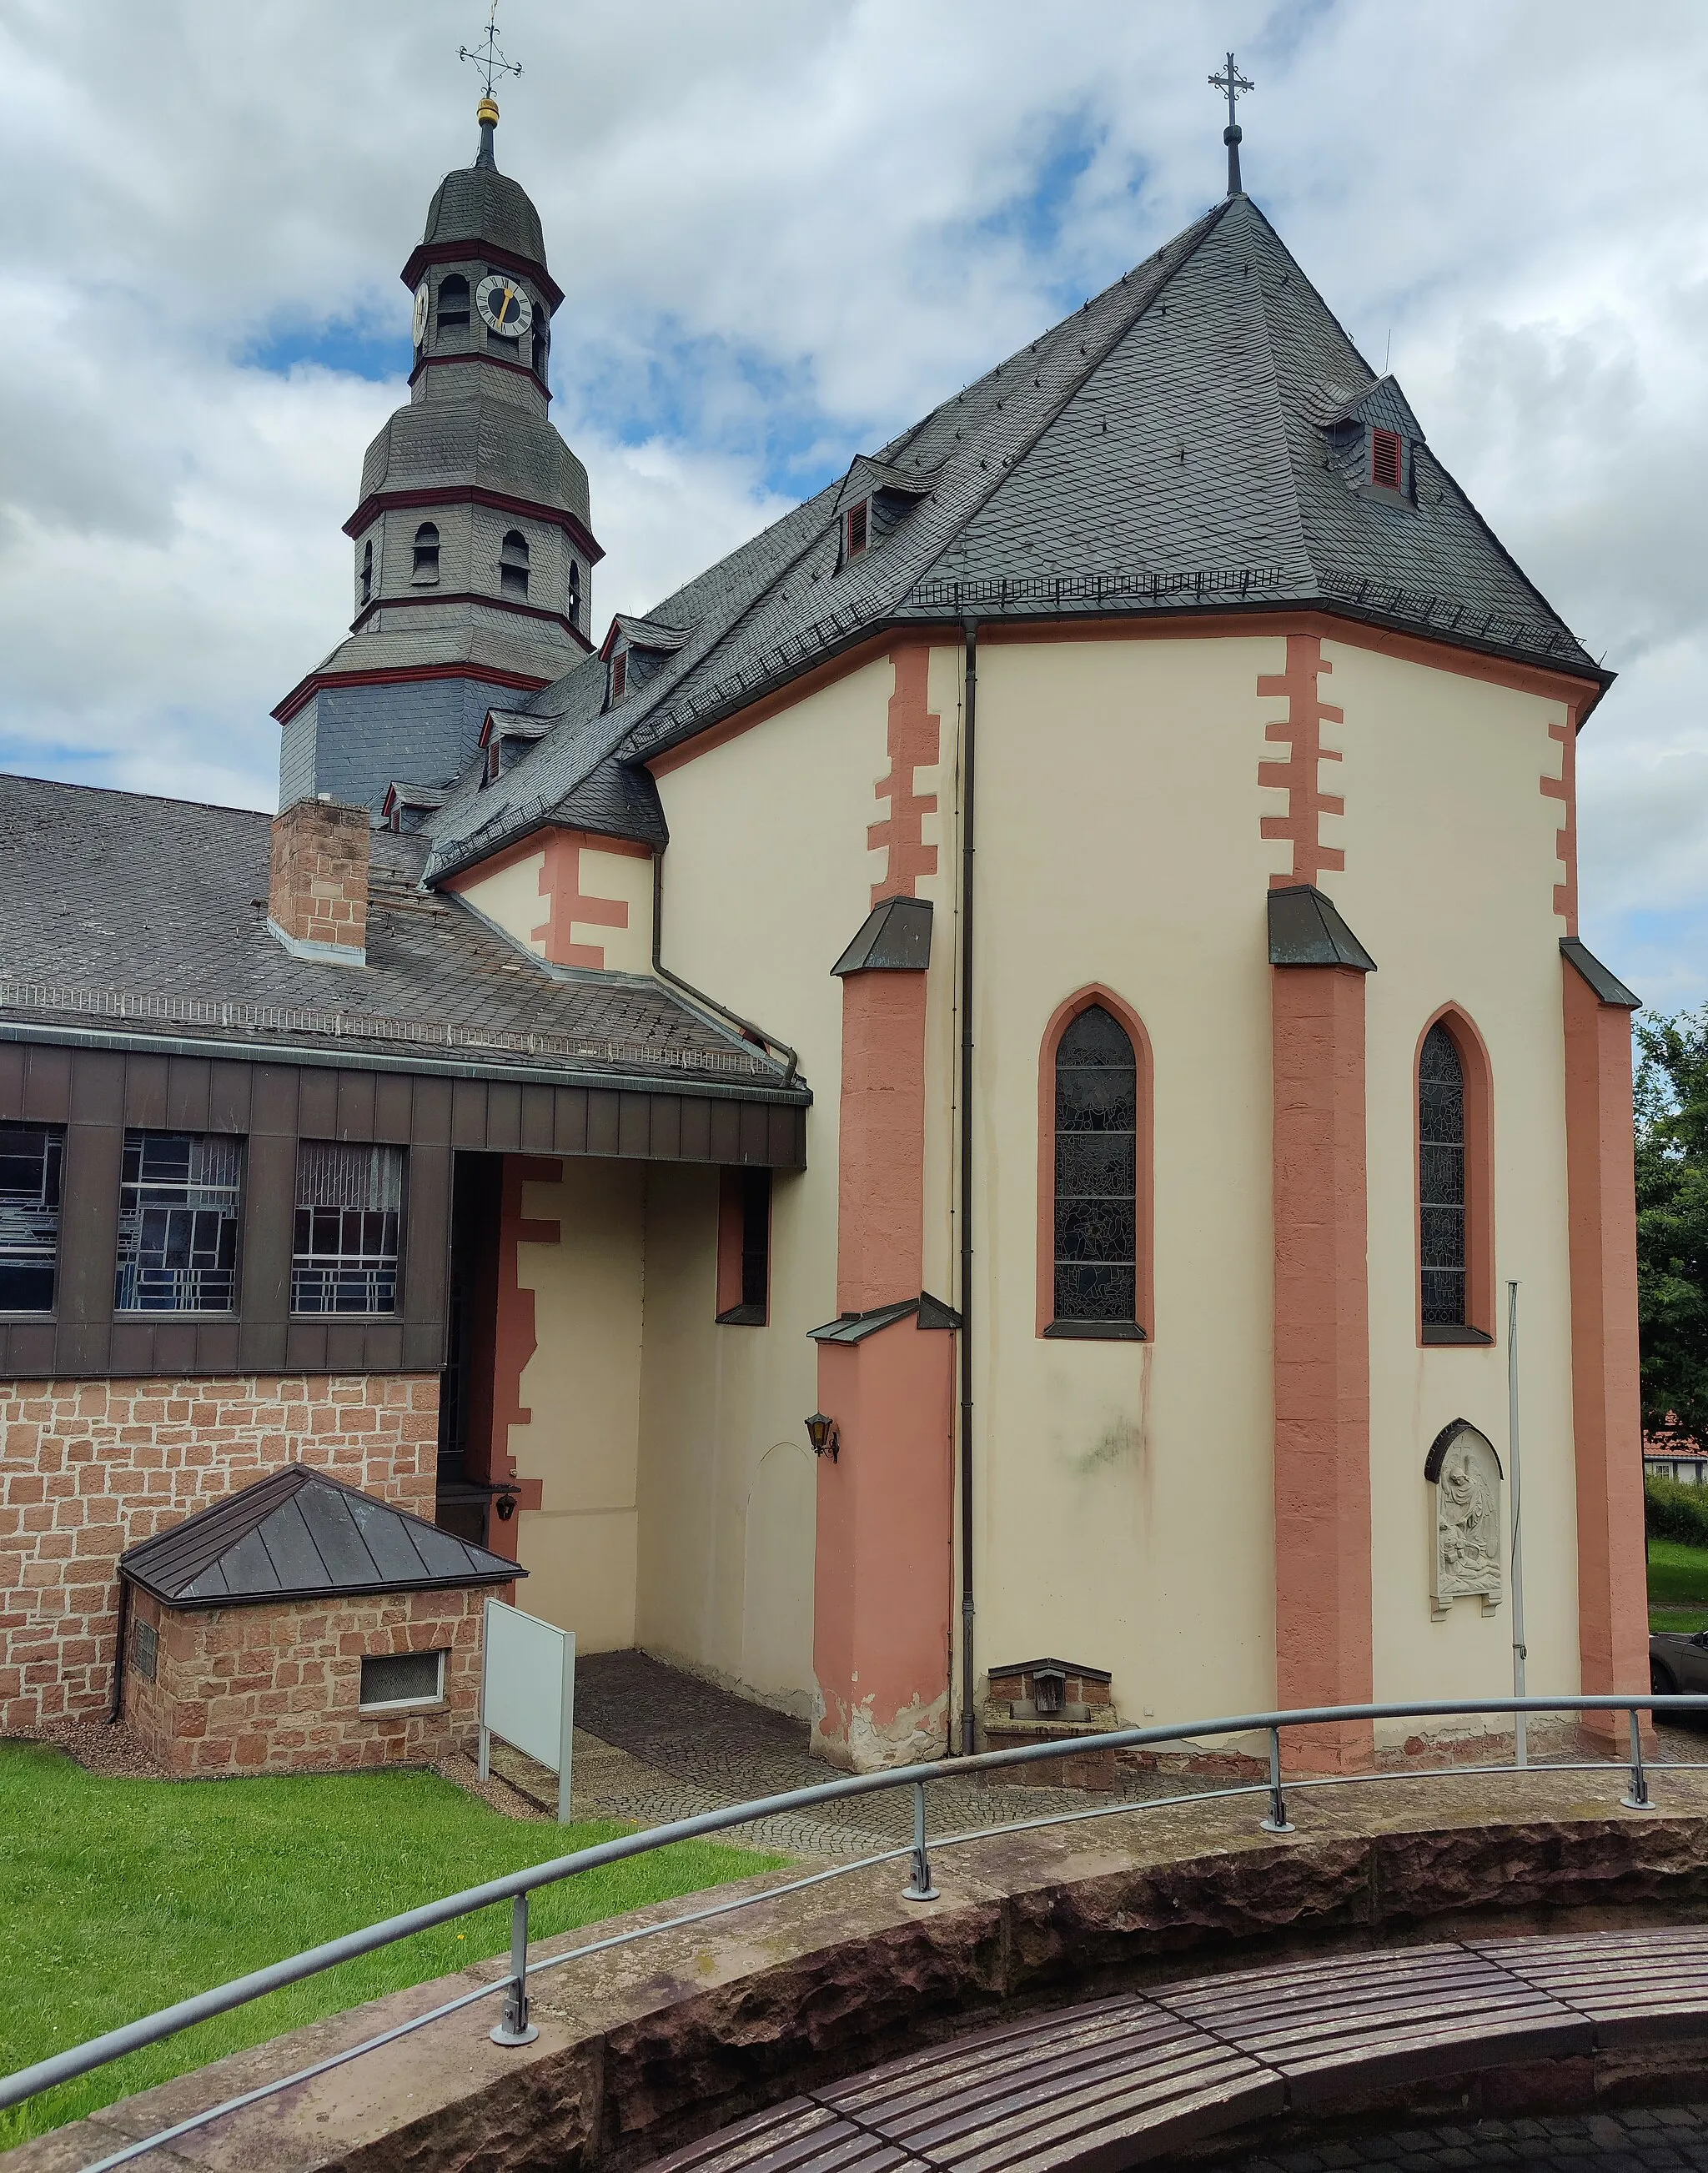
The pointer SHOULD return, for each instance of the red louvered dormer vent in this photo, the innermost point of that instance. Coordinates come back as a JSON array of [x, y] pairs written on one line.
[[1385, 465], [856, 529], [619, 675]]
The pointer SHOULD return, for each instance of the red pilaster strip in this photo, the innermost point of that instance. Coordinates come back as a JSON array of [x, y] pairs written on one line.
[[1607, 1430], [883, 1563], [560, 885], [915, 738], [1322, 1513], [515, 1338], [1564, 787], [1301, 732]]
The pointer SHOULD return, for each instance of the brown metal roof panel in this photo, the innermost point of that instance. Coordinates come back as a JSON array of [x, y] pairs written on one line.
[[337, 1537], [295, 1559], [247, 1570], [395, 1549]]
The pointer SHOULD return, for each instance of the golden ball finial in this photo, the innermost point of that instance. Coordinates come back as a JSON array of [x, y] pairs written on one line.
[[486, 112]]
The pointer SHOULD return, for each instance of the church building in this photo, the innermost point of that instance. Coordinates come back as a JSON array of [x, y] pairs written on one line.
[[935, 1130]]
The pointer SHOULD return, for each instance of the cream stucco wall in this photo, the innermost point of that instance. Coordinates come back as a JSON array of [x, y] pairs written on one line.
[[1451, 864], [626, 879], [512, 899], [1124, 1510], [766, 880], [582, 1387]]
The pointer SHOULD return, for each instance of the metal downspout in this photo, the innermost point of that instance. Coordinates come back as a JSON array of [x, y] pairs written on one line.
[[722, 1011], [116, 1711], [969, 1726]]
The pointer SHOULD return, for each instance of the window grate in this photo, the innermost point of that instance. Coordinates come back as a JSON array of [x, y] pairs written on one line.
[[348, 1220], [31, 1156], [1442, 1180], [1385, 465], [1096, 1258], [178, 1200]]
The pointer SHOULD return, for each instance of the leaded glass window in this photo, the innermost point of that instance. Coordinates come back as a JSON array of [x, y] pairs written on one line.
[[350, 1206], [1441, 1178], [30, 1155], [1096, 1170], [178, 1201]]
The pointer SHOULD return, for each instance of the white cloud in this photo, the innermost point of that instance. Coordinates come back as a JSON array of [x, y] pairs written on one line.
[[783, 231]]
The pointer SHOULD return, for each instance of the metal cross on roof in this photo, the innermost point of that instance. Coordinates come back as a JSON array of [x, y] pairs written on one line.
[[1231, 82], [487, 56]]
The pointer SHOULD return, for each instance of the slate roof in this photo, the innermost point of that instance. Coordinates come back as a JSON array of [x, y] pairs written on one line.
[[1167, 447], [490, 443], [478, 203], [137, 916], [301, 1535]]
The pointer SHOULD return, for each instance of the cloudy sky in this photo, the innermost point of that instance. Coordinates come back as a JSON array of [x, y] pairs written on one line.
[[784, 229]]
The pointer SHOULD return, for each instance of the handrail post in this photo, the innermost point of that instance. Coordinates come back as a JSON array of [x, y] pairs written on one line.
[[919, 1888], [516, 2029], [1278, 1821], [1637, 1796]]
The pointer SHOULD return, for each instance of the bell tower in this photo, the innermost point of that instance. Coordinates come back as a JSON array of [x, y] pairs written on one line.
[[471, 542]]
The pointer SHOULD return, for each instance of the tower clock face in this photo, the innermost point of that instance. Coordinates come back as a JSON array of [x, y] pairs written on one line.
[[504, 305], [420, 326]]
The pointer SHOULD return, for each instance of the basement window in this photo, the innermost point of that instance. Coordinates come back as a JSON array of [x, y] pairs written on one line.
[[391, 1681], [856, 529], [1387, 461], [30, 1155]]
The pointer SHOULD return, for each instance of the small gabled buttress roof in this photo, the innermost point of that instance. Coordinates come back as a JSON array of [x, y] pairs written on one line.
[[299, 1534], [1180, 443]]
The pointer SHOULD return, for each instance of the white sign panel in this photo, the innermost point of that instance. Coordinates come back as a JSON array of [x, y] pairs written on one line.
[[527, 1690]]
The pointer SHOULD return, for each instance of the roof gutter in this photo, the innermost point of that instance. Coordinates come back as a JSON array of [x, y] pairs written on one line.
[[745, 1026], [789, 1089]]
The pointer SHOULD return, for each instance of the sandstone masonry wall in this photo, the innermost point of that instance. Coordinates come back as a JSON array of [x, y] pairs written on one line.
[[87, 1469], [258, 1690]]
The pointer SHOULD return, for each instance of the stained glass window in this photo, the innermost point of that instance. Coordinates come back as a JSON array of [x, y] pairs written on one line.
[[1096, 1170], [29, 1165], [178, 1223], [349, 1203], [1442, 1175]]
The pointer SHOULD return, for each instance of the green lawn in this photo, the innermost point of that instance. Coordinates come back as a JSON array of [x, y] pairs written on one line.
[[120, 1896], [1678, 1576]]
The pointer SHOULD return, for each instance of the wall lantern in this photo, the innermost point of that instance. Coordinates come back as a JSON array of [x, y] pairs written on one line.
[[822, 1433], [506, 1508]]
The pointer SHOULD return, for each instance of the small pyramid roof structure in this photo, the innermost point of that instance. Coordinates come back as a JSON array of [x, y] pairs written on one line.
[[1178, 443], [301, 1534]]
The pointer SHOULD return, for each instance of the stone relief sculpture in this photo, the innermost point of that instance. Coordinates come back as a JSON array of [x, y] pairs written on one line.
[[1465, 1473]]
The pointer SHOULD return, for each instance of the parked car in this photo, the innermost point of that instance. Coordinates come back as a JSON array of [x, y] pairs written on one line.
[[1678, 1662]]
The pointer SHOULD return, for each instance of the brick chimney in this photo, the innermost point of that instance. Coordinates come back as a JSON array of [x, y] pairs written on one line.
[[317, 895]]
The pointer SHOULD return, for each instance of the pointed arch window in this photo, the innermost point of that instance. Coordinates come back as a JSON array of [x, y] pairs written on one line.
[[1455, 1278], [1094, 1174], [513, 565], [425, 571], [367, 581], [453, 300]]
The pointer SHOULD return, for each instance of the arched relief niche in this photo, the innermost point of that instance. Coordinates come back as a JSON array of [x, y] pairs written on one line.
[[1466, 1474]]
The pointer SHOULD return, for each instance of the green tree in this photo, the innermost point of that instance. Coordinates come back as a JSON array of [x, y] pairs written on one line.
[[1672, 1117]]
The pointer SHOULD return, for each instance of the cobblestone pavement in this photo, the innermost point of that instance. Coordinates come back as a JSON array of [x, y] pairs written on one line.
[[1668, 2140], [653, 1743]]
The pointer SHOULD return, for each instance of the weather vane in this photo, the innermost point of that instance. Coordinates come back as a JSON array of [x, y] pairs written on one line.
[[1232, 82], [488, 55]]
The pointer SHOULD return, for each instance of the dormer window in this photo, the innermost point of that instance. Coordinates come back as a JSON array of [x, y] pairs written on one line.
[[1387, 460], [368, 571], [619, 675], [425, 571], [512, 565], [856, 529], [453, 301], [492, 762]]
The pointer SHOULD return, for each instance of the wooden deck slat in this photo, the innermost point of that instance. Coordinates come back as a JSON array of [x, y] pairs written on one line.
[[1096, 2088]]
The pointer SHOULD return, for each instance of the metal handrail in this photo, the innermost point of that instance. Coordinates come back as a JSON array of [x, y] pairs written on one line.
[[515, 1887]]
